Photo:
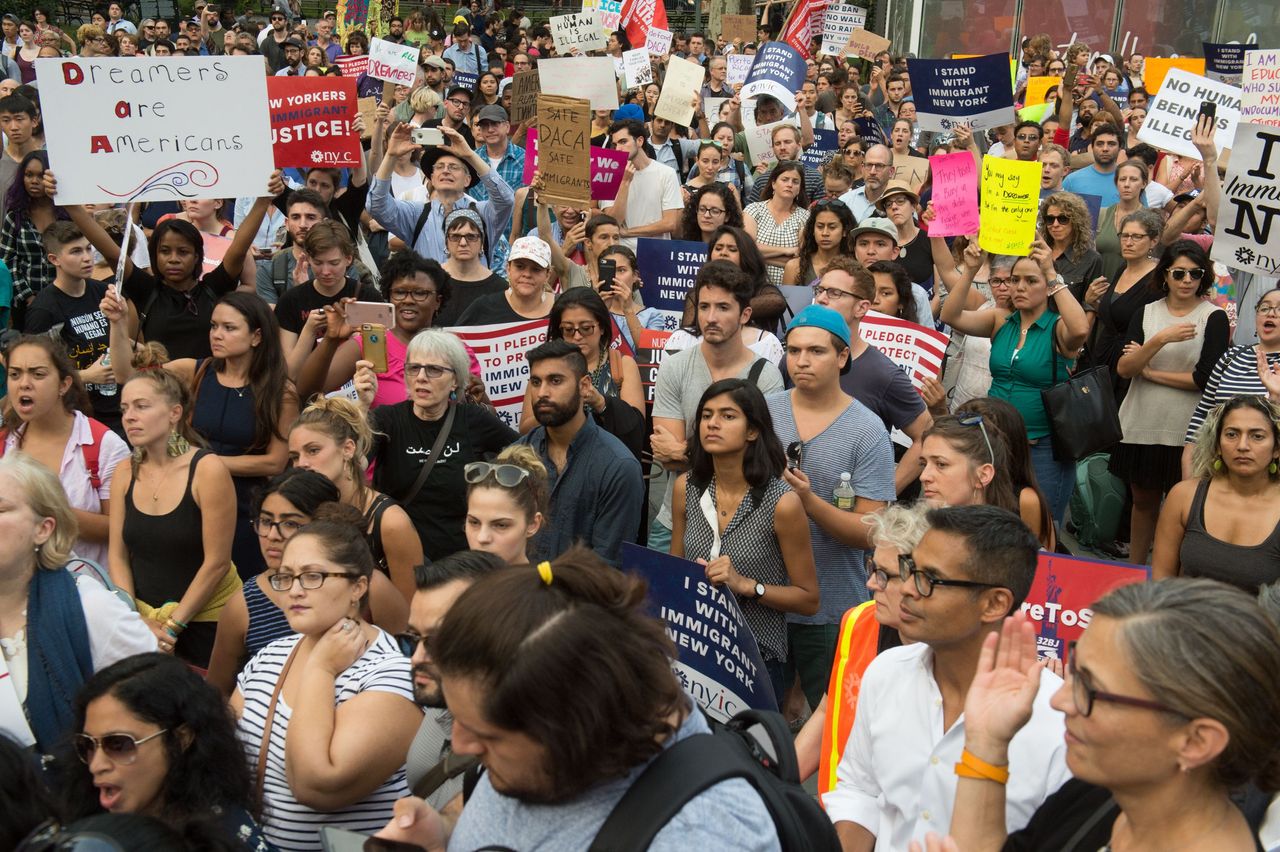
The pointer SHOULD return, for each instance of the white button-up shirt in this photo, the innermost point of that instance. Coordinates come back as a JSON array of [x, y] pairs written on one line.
[[897, 776]]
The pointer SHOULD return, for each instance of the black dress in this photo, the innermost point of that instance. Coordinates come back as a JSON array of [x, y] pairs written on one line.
[[1111, 329]]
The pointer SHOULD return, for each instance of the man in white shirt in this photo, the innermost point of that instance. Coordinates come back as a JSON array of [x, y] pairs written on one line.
[[648, 202], [896, 780]]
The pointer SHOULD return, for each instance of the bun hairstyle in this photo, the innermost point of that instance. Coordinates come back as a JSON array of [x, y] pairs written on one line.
[[171, 388], [342, 420], [340, 529], [531, 494]]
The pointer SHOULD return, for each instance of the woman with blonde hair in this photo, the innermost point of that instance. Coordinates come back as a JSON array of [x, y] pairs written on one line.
[[56, 628], [507, 503]]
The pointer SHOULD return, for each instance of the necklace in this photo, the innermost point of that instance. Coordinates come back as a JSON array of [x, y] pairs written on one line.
[[155, 495]]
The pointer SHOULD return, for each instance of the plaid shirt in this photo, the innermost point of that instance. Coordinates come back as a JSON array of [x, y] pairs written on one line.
[[510, 167], [23, 252]]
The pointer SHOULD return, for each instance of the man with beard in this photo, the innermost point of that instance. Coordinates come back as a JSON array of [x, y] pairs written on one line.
[[597, 492], [395, 30], [1099, 179]]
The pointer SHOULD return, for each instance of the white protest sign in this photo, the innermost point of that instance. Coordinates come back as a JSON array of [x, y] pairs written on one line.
[[1172, 113], [918, 351], [608, 13], [637, 70], [711, 108], [580, 30], [739, 66], [500, 349], [1248, 233], [125, 129], [838, 25], [760, 143], [1260, 87], [683, 81], [658, 42], [589, 77], [394, 63]]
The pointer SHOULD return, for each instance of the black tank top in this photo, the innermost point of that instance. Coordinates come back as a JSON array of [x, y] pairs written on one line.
[[165, 551]]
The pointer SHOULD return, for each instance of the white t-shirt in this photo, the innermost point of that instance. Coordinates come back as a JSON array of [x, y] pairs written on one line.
[[654, 190], [1157, 195]]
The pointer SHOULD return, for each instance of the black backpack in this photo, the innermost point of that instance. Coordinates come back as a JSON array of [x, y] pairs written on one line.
[[756, 746]]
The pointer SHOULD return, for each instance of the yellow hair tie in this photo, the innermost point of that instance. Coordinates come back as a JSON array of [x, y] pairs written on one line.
[[544, 571]]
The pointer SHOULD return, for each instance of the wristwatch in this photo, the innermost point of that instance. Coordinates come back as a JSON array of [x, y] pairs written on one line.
[[759, 590]]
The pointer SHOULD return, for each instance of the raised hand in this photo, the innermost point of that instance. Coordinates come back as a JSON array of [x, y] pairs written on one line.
[[1003, 690]]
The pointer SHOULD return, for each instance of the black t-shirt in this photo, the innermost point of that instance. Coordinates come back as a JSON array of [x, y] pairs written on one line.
[[297, 302], [490, 309], [178, 319], [462, 294], [917, 259], [881, 385], [85, 332], [403, 446]]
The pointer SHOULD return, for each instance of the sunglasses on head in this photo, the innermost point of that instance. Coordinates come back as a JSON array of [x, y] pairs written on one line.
[[507, 475]]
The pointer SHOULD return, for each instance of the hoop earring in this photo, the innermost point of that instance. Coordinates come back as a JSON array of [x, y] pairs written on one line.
[[177, 444]]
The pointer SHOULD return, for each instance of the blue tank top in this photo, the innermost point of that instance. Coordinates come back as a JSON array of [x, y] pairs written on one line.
[[266, 621]]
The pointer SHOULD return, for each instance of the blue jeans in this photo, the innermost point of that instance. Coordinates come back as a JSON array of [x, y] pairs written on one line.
[[1056, 479], [777, 679]]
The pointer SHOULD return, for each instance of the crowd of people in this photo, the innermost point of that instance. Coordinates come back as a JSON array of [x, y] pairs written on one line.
[[275, 572]]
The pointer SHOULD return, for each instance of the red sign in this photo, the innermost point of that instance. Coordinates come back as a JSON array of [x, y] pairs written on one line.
[[352, 66], [1063, 591], [311, 121]]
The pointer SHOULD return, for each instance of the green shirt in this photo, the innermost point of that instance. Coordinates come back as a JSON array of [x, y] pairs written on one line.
[[1018, 375]]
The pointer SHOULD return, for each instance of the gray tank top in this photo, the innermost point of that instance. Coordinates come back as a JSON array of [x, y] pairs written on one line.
[[1202, 555]]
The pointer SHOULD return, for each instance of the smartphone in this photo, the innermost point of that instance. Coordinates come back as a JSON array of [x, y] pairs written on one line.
[[375, 345], [608, 269], [795, 454], [376, 313], [427, 136], [340, 840], [1210, 109]]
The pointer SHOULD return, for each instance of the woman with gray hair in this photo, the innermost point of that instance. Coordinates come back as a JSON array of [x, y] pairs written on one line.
[[423, 444], [1126, 294], [1171, 700]]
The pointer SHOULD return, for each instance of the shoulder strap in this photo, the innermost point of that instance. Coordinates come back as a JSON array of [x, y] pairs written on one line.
[[420, 224], [450, 766], [433, 458], [280, 272], [615, 367], [756, 369], [267, 723], [93, 452], [1107, 808], [196, 381]]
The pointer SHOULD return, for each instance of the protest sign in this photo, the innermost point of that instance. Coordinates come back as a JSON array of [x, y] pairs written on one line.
[[369, 112], [137, 128], [760, 142], [711, 109], [1260, 88], [1172, 114], [717, 659], [311, 121], [579, 30], [670, 268], [636, 68], [524, 96], [658, 42], [394, 63], [651, 350], [738, 67], [564, 126], [972, 91], [918, 351], [1038, 90], [465, 79], [824, 143], [738, 27], [840, 22], [865, 44], [352, 66], [1248, 232], [608, 13], [1063, 592], [607, 167], [778, 72], [1225, 62], [590, 77], [683, 81], [1156, 68], [955, 194], [500, 349], [1010, 202]]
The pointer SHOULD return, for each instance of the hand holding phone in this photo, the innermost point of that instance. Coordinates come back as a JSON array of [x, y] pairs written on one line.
[[374, 338], [608, 270], [427, 136]]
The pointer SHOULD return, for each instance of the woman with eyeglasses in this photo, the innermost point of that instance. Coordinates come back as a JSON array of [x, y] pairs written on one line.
[[428, 483], [305, 702], [507, 503], [1172, 347], [775, 221], [825, 236], [711, 208], [250, 620], [466, 248], [1131, 179], [1066, 228], [1170, 698]]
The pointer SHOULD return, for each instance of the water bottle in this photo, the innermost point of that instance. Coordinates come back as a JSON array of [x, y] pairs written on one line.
[[107, 390], [843, 493]]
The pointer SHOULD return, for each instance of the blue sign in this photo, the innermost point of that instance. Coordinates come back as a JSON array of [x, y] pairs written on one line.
[[870, 131], [975, 91], [718, 660], [824, 143], [668, 269], [464, 79], [1225, 62], [778, 72]]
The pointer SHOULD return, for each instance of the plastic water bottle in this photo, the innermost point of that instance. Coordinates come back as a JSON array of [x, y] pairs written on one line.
[[843, 493], [107, 390]]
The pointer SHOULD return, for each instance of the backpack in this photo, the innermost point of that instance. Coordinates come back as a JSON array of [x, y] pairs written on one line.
[[1097, 503], [91, 452], [755, 746]]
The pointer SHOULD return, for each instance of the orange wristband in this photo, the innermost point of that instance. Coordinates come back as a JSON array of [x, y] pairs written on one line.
[[974, 767]]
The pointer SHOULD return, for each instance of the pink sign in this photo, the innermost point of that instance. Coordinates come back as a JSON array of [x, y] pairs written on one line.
[[607, 167], [955, 194]]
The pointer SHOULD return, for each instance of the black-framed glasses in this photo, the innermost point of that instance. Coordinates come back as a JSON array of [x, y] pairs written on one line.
[[1059, 219], [263, 526], [1181, 274], [433, 371], [881, 576], [50, 836], [282, 581], [119, 748], [710, 211], [998, 282], [507, 475], [1084, 695], [415, 295], [925, 582], [1272, 310], [585, 329], [835, 294], [976, 420], [409, 641]]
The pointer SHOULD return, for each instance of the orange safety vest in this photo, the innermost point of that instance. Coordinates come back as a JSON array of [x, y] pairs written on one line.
[[859, 638]]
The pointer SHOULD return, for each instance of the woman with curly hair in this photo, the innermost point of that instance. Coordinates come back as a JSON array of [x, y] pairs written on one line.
[[710, 208], [825, 236], [1064, 221]]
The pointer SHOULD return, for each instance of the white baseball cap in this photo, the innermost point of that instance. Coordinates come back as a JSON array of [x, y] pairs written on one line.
[[531, 248]]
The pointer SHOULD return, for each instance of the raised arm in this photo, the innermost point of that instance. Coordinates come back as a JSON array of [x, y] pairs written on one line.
[[980, 323], [242, 242]]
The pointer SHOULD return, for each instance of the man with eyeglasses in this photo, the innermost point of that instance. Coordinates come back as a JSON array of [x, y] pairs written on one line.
[[1026, 141], [877, 169], [717, 76], [274, 44], [457, 105], [897, 777]]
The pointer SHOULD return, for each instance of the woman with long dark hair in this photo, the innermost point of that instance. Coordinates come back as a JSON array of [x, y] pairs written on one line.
[[894, 294], [825, 235], [776, 220], [29, 210]]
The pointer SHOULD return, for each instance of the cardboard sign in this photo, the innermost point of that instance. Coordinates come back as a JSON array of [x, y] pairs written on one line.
[[658, 42], [1248, 232], [760, 143], [1260, 88], [500, 350], [683, 81], [1010, 202], [1172, 114], [369, 112], [778, 72], [311, 121], [524, 96], [718, 661], [564, 126], [590, 77], [1225, 62], [955, 194], [738, 26], [972, 91], [1063, 592], [840, 22], [394, 63], [580, 31], [607, 167], [1038, 89], [824, 144], [670, 268], [352, 66], [138, 128], [1156, 68], [865, 44], [918, 351], [739, 66], [636, 68]]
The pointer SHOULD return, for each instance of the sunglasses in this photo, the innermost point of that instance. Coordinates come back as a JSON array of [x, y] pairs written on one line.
[[1182, 274], [976, 420], [119, 748], [507, 475], [1060, 219]]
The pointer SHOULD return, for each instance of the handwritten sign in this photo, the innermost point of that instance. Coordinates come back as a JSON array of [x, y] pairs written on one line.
[[311, 121], [840, 22], [500, 349], [670, 268], [578, 31], [1063, 592], [352, 66], [973, 91], [1172, 113], [524, 96], [608, 12], [1038, 89], [590, 77], [658, 42], [918, 351], [739, 66], [865, 44], [1248, 233], [1010, 200], [564, 126], [394, 63], [1260, 88], [683, 81], [738, 27], [778, 72], [607, 167], [955, 194], [1225, 62], [368, 111], [636, 68], [1156, 68], [137, 128]]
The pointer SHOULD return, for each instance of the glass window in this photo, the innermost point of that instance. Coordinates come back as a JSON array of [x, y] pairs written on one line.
[[966, 26], [1248, 21], [1169, 27]]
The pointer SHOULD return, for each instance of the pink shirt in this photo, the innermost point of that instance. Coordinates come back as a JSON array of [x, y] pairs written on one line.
[[391, 387]]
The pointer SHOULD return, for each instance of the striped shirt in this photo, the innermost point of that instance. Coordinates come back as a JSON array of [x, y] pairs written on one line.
[[267, 622], [1235, 374], [286, 823]]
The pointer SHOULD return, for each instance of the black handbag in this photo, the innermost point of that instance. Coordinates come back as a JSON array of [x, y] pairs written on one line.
[[1083, 416]]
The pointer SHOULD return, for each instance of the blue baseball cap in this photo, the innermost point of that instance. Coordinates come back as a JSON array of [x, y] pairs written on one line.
[[628, 111], [820, 316]]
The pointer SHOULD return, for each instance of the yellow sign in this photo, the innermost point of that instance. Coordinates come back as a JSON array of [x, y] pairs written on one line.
[[1010, 199], [1038, 87], [1156, 67]]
